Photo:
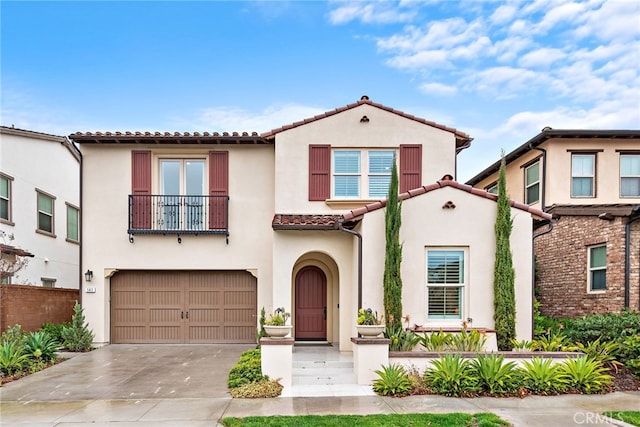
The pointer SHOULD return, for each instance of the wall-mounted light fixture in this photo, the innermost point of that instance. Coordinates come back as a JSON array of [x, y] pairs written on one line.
[[88, 275]]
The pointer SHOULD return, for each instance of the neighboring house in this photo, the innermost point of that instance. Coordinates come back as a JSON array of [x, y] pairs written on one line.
[[589, 260], [189, 235], [40, 206]]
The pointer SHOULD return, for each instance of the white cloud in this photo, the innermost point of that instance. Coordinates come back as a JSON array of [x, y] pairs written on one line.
[[429, 58], [503, 14], [543, 57], [438, 89], [371, 12]]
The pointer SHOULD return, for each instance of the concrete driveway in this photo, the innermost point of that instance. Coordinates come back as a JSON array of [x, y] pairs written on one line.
[[129, 371]]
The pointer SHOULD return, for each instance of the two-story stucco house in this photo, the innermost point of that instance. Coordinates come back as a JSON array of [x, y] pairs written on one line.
[[589, 180], [40, 206], [189, 235]]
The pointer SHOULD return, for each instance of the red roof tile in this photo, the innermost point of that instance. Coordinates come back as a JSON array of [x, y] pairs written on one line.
[[305, 221], [440, 184]]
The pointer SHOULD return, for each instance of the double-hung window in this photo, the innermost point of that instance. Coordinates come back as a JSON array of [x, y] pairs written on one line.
[[630, 175], [445, 283], [182, 186], [532, 183], [583, 175], [362, 174], [5, 198], [73, 230], [597, 280], [46, 205]]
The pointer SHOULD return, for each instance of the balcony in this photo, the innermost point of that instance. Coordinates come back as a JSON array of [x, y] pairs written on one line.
[[168, 214]]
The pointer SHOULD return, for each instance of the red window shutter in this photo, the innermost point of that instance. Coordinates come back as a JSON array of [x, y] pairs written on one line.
[[410, 167], [218, 187], [141, 190], [319, 172]]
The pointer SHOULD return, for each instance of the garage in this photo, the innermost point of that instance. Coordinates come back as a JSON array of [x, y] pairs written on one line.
[[190, 307]]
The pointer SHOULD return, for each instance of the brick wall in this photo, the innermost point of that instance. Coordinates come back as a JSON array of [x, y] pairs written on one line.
[[562, 266], [31, 306]]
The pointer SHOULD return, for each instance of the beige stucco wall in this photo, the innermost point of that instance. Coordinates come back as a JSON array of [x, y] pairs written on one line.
[[42, 162], [344, 130], [470, 226], [333, 253], [106, 247], [558, 182]]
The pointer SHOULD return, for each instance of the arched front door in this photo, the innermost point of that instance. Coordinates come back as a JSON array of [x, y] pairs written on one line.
[[311, 305]]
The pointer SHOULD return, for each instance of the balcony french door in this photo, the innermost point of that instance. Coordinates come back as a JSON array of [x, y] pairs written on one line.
[[182, 185]]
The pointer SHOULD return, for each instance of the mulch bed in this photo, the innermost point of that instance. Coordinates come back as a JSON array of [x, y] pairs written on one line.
[[624, 380]]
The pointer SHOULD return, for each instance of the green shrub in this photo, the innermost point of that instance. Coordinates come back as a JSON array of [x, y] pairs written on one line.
[[523, 345], [12, 358], [55, 330], [585, 375], [435, 341], [260, 389], [603, 352], [40, 346], [77, 336], [451, 375], [628, 352], [14, 334], [247, 370], [540, 376], [401, 339], [552, 342], [393, 381], [607, 327], [494, 376]]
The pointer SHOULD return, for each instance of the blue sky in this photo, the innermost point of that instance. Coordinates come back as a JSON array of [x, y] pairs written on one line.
[[499, 71]]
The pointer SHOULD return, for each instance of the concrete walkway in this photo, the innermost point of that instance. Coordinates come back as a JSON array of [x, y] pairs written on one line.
[[132, 385]]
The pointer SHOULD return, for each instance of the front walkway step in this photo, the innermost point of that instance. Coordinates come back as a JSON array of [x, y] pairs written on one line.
[[323, 372]]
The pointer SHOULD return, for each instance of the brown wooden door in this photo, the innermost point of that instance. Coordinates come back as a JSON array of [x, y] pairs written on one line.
[[311, 305]]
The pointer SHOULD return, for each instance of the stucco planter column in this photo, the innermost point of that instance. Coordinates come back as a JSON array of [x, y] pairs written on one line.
[[277, 359], [369, 354]]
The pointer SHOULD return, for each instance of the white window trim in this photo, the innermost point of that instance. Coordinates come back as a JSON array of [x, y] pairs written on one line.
[[364, 174], [464, 306], [626, 176], [527, 186], [589, 270], [593, 177]]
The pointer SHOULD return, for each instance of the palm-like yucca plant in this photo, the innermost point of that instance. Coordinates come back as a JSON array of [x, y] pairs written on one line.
[[541, 376], [393, 381], [472, 340], [435, 341], [585, 375], [552, 342], [41, 346], [12, 359], [401, 339], [451, 375], [494, 376], [603, 352]]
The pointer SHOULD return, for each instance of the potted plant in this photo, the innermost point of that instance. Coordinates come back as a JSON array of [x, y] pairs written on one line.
[[276, 324], [369, 324]]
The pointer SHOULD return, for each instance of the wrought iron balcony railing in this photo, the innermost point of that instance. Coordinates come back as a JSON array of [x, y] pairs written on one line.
[[169, 214]]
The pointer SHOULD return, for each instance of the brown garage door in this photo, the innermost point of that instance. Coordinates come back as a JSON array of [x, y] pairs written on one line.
[[183, 307]]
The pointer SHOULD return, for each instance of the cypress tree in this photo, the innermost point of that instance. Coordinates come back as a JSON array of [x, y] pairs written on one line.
[[393, 256], [504, 301]]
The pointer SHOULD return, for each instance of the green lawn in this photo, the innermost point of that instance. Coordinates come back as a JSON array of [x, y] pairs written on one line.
[[391, 420], [631, 417]]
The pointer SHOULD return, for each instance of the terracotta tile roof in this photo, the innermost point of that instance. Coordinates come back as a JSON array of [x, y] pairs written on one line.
[[602, 210], [446, 181], [303, 221], [460, 136], [12, 250], [128, 137]]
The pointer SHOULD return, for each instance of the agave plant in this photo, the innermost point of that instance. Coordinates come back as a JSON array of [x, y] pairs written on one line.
[[451, 375], [393, 381], [585, 375], [541, 376], [401, 339], [41, 346], [472, 340], [603, 352], [435, 341], [12, 358], [494, 376], [552, 342]]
